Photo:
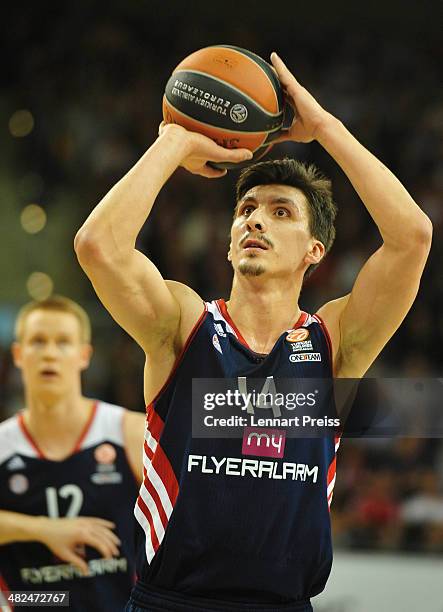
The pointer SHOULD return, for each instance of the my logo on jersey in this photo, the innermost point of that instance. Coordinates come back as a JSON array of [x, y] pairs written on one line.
[[216, 343], [305, 357], [16, 463], [263, 442], [219, 329], [297, 335], [19, 484]]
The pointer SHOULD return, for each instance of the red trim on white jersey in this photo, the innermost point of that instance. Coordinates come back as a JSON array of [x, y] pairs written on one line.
[[78, 444], [5, 605], [159, 489]]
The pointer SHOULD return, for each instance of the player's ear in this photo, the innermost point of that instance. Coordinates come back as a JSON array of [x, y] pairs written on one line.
[[86, 354], [315, 253], [16, 351], [229, 252]]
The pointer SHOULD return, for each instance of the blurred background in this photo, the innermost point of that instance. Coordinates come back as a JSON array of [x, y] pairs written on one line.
[[81, 101]]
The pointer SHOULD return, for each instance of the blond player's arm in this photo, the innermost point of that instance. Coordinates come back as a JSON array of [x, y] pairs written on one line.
[[127, 282], [62, 536]]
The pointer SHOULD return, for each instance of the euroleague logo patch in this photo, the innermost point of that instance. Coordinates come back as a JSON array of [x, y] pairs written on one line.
[[297, 335], [105, 454], [238, 113]]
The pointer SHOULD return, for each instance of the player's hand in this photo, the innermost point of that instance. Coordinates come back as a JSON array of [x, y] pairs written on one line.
[[201, 149], [309, 117], [65, 536]]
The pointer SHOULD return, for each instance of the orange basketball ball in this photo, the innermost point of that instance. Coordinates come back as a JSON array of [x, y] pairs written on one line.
[[228, 94]]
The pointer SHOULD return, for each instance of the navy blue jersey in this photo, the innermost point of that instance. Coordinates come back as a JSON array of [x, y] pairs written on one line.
[[219, 525], [95, 480]]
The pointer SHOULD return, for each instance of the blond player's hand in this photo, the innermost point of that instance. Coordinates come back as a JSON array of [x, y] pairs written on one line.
[[309, 117], [201, 149], [65, 536]]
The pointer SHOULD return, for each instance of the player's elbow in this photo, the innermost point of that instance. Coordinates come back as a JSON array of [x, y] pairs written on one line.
[[422, 234], [88, 249]]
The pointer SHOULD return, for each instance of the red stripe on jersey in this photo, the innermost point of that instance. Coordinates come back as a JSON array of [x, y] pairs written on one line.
[[144, 508], [156, 497], [149, 452], [331, 471], [163, 467], [155, 422]]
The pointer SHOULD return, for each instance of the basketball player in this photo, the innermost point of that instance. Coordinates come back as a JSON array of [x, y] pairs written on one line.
[[221, 532], [70, 467]]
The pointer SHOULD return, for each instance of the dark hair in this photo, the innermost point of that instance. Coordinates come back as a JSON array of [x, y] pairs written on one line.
[[311, 182]]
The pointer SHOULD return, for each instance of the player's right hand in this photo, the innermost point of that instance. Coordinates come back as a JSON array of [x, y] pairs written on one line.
[[201, 149], [64, 536]]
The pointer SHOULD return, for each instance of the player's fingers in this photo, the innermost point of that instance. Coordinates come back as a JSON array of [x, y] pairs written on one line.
[[94, 520], [210, 172], [76, 560], [109, 535], [161, 127], [284, 74], [231, 155], [105, 548]]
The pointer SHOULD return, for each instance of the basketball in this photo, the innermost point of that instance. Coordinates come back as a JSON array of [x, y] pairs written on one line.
[[228, 94]]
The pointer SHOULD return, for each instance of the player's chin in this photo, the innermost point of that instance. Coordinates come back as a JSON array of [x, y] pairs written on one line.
[[251, 268]]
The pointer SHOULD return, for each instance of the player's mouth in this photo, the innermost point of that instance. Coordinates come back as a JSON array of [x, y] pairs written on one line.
[[254, 244], [49, 373]]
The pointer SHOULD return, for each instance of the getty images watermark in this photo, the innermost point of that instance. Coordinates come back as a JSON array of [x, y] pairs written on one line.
[[285, 408]]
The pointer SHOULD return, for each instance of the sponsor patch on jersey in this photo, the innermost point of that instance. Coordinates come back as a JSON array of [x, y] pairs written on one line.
[[219, 329], [304, 345], [304, 357], [19, 484], [216, 343], [264, 442], [105, 454], [107, 478], [16, 463], [297, 335]]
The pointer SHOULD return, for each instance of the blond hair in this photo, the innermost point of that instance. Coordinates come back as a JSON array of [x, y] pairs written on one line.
[[56, 303]]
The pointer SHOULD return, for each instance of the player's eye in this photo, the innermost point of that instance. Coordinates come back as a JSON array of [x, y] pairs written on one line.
[[247, 210], [282, 212]]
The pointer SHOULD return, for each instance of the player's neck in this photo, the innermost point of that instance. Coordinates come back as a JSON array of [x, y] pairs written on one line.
[[56, 425], [263, 310]]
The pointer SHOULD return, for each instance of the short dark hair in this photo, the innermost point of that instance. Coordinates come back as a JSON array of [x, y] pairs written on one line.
[[311, 182]]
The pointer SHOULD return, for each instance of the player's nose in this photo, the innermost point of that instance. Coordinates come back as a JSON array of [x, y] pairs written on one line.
[[256, 221]]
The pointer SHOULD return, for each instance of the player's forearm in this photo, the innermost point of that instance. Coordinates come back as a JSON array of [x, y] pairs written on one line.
[[17, 527], [399, 219], [116, 221]]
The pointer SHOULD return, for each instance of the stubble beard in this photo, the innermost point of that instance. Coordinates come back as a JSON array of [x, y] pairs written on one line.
[[250, 269]]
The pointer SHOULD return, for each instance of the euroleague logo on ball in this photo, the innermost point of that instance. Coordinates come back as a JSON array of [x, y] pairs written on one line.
[[238, 113]]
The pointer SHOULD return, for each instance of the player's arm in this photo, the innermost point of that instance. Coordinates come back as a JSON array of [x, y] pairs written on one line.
[[62, 536], [127, 282], [363, 321], [134, 435]]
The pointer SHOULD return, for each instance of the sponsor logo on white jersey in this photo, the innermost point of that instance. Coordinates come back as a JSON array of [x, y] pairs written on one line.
[[305, 357], [16, 463], [219, 329], [19, 484]]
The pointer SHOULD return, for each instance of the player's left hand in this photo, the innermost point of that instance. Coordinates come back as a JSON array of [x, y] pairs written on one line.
[[309, 117]]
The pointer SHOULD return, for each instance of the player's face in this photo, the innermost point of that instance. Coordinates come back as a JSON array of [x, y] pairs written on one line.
[[51, 353], [270, 233]]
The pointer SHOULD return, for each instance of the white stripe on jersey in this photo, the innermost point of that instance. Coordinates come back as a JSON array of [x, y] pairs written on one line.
[[217, 315]]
